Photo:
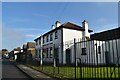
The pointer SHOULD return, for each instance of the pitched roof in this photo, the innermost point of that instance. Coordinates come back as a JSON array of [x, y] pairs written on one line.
[[107, 35], [30, 45], [17, 49], [74, 26], [67, 25]]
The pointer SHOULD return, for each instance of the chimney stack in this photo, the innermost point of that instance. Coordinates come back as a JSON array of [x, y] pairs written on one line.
[[53, 27], [57, 23], [85, 26]]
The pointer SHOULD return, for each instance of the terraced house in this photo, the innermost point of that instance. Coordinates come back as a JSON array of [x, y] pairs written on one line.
[[51, 47]]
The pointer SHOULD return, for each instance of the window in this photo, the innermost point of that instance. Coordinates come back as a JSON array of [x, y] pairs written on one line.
[[83, 51], [51, 52], [43, 55], [43, 40], [47, 38], [36, 43], [39, 42], [47, 53], [51, 37], [36, 52], [99, 49], [56, 35], [39, 51]]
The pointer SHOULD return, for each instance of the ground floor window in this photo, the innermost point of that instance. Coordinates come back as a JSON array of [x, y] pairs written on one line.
[[47, 53], [43, 53], [51, 52], [39, 52], [83, 51]]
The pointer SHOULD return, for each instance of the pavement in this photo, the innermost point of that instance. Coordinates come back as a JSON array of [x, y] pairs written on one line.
[[33, 74], [11, 72]]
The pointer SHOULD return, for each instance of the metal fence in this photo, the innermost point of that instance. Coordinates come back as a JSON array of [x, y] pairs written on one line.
[[80, 59]]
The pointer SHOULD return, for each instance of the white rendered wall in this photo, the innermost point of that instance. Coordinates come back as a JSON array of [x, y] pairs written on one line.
[[69, 35], [49, 44], [15, 52], [114, 51], [93, 56]]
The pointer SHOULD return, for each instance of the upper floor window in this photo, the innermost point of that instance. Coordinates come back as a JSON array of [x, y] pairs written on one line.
[[43, 40], [56, 34], [36, 42], [51, 38], [39, 42], [47, 39], [83, 51]]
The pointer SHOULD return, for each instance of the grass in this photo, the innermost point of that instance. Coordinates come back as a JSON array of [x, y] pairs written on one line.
[[86, 72]]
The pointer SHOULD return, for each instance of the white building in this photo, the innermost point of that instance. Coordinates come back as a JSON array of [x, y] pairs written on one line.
[[55, 41], [58, 45], [16, 51]]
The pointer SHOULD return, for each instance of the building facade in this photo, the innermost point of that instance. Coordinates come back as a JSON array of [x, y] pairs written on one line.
[[31, 48], [16, 51], [50, 47]]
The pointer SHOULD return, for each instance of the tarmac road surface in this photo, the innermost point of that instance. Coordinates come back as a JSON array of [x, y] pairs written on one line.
[[11, 72]]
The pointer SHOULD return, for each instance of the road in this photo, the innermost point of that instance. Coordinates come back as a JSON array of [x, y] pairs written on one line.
[[10, 71]]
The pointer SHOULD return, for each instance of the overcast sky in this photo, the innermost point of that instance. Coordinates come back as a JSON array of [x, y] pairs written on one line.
[[25, 21]]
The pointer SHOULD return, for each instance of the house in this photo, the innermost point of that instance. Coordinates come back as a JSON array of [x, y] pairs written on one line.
[[31, 48], [27, 52], [16, 51], [51, 46], [24, 48], [25, 57], [4, 52]]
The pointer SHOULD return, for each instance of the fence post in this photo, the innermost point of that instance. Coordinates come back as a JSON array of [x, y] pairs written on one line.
[[80, 69], [58, 58], [75, 55]]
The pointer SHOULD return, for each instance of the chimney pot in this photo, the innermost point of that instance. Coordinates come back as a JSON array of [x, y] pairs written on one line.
[[57, 23], [53, 27], [85, 26]]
